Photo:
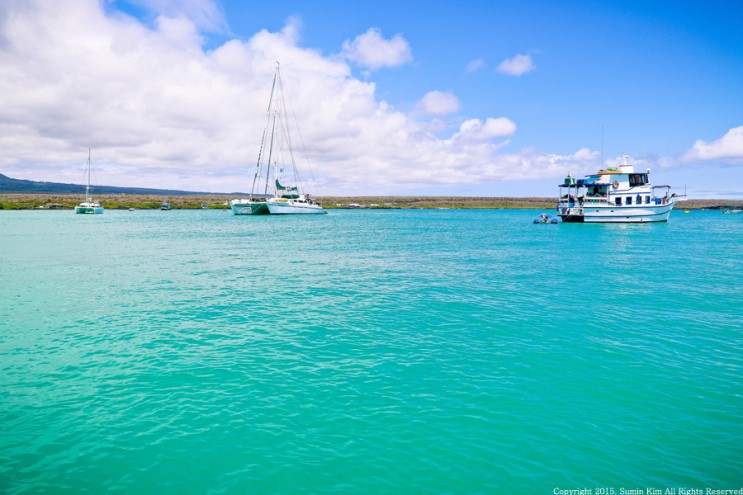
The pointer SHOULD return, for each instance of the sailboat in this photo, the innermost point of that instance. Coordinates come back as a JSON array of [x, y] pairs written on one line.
[[287, 200], [89, 206], [275, 155]]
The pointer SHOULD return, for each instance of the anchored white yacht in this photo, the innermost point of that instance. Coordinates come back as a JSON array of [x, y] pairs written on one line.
[[288, 201], [615, 195]]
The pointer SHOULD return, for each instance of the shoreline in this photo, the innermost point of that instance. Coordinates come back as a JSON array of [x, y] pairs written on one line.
[[20, 201]]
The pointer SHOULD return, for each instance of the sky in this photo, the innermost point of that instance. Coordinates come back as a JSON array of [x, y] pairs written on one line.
[[405, 97]]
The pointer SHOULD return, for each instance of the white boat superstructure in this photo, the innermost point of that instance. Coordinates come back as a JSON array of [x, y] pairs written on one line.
[[276, 161], [615, 195], [88, 207], [288, 201]]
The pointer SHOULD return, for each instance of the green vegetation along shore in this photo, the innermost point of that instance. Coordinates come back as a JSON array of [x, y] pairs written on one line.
[[12, 201]]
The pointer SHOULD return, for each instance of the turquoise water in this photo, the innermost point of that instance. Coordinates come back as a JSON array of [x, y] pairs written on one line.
[[359, 352]]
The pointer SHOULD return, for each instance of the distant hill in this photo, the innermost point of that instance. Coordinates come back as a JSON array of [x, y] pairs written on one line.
[[20, 186]]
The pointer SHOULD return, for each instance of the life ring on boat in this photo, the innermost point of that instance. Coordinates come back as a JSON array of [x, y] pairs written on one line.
[[615, 184]]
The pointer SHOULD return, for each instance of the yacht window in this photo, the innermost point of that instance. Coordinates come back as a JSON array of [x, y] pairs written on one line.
[[638, 179], [629, 200], [638, 199], [618, 201], [647, 200]]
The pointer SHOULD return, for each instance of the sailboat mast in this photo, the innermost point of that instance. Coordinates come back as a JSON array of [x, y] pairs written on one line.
[[87, 186], [264, 137], [286, 127], [270, 154], [258, 163]]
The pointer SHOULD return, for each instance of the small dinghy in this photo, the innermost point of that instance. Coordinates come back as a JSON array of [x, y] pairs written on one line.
[[544, 218]]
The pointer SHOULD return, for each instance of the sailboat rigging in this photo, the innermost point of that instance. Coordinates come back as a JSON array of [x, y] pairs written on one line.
[[89, 206], [275, 155]]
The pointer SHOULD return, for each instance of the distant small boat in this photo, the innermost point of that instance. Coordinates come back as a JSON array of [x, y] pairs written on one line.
[[687, 211], [731, 209], [545, 218], [131, 209], [89, 207], [165, 206]]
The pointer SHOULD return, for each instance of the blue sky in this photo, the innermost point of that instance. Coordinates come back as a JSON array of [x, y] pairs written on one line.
[[443, 97]]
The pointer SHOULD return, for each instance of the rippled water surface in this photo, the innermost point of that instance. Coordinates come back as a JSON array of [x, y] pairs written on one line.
[[430, 351]]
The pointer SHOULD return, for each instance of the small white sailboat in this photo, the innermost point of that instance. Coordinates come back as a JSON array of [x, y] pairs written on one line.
[[276, 154], [88, 207]]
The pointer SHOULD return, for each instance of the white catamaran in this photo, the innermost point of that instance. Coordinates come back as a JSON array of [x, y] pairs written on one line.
[[275, 162], [89, 206], [615, 195]]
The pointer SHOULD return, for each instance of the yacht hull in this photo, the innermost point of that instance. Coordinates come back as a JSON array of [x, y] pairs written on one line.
[[247, 207], [89, 210], [616, 214], [292, 208]]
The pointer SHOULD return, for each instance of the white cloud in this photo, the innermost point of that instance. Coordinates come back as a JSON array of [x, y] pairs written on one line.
[[372, 51], [204, 14], [439, 103], [474, 66], [729, 147], [293, 29], [160, 111], [517, 66], [475, 130], [531, 164]]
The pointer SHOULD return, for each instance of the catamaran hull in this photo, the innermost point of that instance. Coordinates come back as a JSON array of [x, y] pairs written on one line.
[[249, 207], [280, 208], [86, 210], [616, 214]]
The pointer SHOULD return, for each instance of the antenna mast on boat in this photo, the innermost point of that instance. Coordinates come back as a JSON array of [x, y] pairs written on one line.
[[602, 145]]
